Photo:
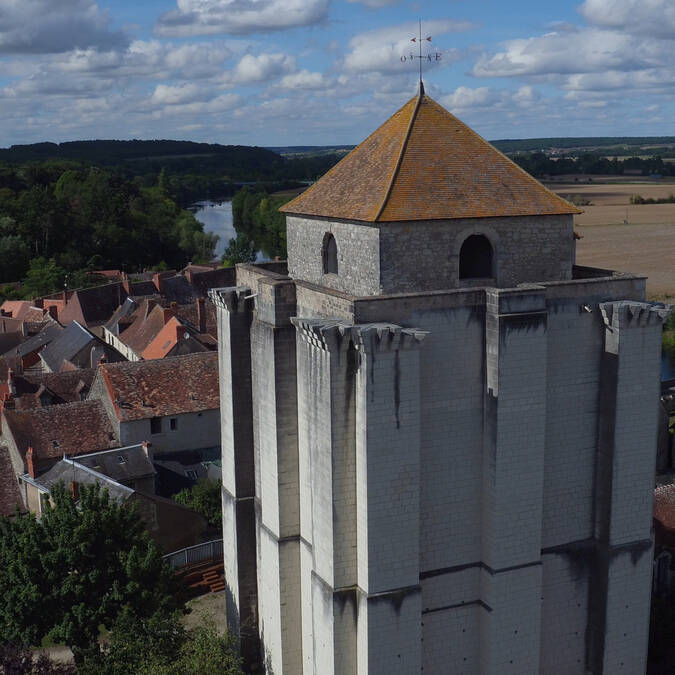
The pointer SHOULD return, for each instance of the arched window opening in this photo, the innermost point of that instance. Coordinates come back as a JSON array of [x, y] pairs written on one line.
[[330, 260], [475, 258]]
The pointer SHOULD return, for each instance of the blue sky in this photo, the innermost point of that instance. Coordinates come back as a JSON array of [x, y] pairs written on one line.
[[298, 72]]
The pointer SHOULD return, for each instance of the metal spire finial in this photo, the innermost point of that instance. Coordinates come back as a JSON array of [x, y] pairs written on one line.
[[421, 57]]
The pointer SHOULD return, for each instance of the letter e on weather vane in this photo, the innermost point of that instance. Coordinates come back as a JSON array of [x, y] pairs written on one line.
[[430, 57]]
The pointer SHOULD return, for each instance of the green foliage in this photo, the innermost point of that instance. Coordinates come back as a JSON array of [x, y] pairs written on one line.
[[240, 250], [669, 335], [256, 215], [204, 498], [21, 661], [639, 199], [75, 215], [77, 569], [43, 278], [578, 200], [14, 257], [540, 164], [160, 645]]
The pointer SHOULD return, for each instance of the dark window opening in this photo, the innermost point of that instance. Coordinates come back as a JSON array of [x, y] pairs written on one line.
[[173, 422], [155, 425], [475, 258], [330, 261]]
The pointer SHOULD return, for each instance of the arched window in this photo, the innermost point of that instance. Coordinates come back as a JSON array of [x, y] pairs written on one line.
[[475, 258], [329, 254]]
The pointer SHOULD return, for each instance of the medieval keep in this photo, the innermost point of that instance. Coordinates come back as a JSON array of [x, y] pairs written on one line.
[[438, 431]]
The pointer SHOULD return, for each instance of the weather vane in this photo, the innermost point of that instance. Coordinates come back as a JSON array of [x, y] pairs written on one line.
[[436, 56]]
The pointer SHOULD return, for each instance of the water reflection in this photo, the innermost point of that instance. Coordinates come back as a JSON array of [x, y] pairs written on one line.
[[217, 218]]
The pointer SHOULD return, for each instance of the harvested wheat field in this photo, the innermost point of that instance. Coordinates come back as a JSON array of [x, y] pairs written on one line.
[[618, 235], [610, 202], [641, 249]]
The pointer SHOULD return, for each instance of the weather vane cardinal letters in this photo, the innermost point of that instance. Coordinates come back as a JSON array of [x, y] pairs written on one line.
[[436, 56]]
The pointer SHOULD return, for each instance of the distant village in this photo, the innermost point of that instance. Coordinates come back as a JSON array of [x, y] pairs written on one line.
[[115, 384]]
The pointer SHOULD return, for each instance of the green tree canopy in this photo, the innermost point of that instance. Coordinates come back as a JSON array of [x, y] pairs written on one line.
[[160, 645], [77, 569], [204, 498]]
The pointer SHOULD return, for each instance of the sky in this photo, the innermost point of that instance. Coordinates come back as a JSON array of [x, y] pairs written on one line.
[[323, 72]]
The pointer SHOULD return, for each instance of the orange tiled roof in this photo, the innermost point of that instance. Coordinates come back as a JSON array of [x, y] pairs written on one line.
[[424, 164], [161, 387]]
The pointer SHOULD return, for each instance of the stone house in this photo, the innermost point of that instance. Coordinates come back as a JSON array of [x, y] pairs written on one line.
[[171, 525], [75, 348], [438, 432], [173, 402], [149, 330]]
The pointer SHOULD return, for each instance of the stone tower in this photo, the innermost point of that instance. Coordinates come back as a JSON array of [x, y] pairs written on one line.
[[438, 431]]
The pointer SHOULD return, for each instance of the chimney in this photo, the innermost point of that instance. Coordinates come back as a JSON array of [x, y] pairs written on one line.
[[201, 314], [39, 302], [7, 402], [31, 463], [126, 284], [74, 490], [53, 312], [169, 313], [64, 296], [146, 449], [10, 382], [157, 280]]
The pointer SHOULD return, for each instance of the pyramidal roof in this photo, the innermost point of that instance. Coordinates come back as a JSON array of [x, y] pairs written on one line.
[[424, 164]]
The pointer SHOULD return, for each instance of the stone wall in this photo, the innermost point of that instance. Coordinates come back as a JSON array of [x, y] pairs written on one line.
[[493, 550], [386, 258], [358, 246], [193, 432]]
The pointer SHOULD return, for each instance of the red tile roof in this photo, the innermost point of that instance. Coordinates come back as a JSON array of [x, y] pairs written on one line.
[[664, 506], [165, 340], [16, 309], [64, 387], [170, 386], [70, 428], [10, 497], [424, 164]]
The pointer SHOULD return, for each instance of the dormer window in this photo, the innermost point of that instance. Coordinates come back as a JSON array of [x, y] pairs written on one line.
[[329, 254]]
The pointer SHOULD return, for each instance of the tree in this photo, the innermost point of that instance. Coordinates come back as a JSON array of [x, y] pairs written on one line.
[[239, 250], [77, 569], [21, 661], [204, 498], [160, 645], [14, 256], [43, 278]]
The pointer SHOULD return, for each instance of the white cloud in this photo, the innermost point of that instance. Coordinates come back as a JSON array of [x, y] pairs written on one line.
[[654, 18], [172, 95], [466, 97], [485, 98], [49, 26], [304, 80], [259, 68], [381, 50], [588, 50], [239, 17]]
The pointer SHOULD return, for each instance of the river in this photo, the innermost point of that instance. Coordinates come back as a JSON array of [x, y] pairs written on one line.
[[217, 218]]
